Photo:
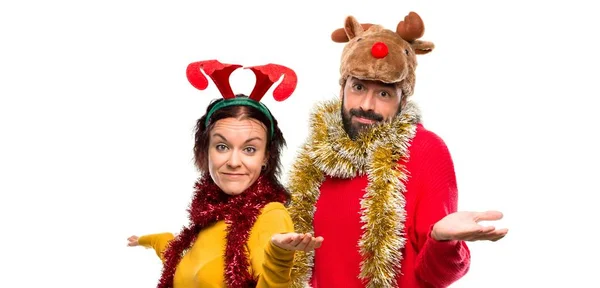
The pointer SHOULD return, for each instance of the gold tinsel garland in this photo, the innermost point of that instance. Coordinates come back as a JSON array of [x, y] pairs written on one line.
[[378, 153]]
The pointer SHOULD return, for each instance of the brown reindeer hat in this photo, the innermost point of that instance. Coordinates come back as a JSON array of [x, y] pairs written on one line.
[[376, 53]]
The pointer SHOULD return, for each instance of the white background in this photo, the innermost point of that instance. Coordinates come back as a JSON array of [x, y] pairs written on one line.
[[97, 116]]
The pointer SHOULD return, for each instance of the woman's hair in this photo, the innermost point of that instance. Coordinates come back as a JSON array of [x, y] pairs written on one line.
[[275, 144], [275, 140]]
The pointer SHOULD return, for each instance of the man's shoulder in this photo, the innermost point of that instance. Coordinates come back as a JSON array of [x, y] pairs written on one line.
[[426, 136], [427, 142]]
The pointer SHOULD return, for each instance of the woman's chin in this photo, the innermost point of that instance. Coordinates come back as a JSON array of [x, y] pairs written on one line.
[[234, 188]]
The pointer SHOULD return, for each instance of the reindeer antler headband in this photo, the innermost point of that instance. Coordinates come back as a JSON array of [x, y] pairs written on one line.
[[266, 76]]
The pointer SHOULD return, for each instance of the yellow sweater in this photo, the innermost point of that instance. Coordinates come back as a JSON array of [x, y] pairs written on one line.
[[204, 265]]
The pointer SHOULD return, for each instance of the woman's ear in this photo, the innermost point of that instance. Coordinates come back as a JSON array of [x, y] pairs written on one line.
[[264, 164]]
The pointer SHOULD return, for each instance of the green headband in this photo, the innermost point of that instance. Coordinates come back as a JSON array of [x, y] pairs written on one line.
[[242, 101]]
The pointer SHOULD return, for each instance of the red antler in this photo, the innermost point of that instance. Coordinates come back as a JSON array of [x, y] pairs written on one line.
[[412, 28], [268, 74], [217, 71]]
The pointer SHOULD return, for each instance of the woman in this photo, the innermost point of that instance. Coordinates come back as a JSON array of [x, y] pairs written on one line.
[[240, 233]]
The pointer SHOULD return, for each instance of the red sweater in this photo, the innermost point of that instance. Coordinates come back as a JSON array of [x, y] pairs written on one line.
[[431, 194]]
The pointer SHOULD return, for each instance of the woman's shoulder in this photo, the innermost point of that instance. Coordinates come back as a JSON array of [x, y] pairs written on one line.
[[274, 218], [273, 207], [274, 212]]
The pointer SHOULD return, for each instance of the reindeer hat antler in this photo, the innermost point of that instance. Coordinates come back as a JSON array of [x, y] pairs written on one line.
[[266, 76], [376, 53]]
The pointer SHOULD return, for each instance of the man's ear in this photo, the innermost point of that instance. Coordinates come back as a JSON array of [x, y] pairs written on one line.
[[343, 87], [403, 101]]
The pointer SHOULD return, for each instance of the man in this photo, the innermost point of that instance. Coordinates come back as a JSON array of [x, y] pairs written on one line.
[[373, 182]]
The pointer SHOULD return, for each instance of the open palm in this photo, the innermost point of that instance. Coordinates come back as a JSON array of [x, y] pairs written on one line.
[[295, 241], [465, 226], [132, 241]]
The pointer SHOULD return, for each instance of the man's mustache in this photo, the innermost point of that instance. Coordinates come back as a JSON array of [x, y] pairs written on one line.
[[371, 115]]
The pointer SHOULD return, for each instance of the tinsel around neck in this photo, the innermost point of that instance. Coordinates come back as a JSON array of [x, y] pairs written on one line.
[[209, 205], [378, 154], [339, 156]]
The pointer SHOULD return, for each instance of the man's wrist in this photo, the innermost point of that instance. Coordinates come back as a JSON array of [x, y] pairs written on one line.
[[437, 237]]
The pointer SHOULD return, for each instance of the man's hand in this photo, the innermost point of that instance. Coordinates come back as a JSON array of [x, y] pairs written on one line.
[[465, 226], [133, 241], [294, 241]]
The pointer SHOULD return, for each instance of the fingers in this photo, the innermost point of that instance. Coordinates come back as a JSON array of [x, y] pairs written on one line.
[[296, 240], [479, 232], [488, 216], [486, 229], [318, 242], [313, 243], [493, 236], [473, 231], [287, 240], [283, 238], [306, 239], [303, 242], [499, 234], [132, 241]]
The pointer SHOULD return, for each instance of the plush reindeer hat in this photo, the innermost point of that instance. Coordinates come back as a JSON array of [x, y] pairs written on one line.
[[266, 76], [376, 53]]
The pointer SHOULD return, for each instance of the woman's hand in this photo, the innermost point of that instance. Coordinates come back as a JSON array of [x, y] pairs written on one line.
[[294, 241], [133, 241]]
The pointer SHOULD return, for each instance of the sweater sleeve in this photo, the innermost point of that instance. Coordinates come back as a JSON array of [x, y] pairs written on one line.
[[439, 263], [271, 264], [158, 242]]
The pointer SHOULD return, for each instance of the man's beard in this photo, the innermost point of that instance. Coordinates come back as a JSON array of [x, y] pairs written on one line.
[[354, 129]]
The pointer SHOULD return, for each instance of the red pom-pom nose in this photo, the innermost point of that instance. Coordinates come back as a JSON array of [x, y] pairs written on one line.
[[379, 50]]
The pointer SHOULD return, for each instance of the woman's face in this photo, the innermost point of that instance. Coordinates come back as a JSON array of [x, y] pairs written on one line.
[[236, 153]]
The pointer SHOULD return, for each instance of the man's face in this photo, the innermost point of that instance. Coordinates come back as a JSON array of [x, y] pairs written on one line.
[[365, 103]]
